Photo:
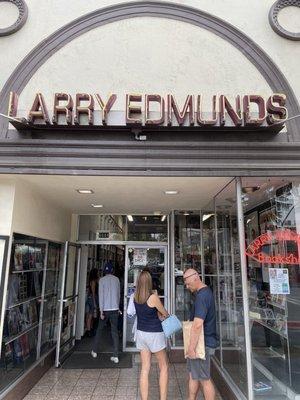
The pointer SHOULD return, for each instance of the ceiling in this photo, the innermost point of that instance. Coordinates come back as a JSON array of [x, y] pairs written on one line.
[[126, 195]]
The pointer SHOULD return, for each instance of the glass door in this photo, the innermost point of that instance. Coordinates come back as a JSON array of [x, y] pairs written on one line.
[[140, 257], [68, 302]]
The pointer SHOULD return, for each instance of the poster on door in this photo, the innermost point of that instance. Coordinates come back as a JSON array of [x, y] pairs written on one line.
[[140, 257], [279, 281], [65, 319]]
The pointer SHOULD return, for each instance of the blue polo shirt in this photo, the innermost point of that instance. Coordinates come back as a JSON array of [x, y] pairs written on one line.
[[204, 308]]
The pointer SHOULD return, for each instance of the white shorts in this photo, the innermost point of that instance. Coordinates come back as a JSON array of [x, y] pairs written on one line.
[[152, 341]]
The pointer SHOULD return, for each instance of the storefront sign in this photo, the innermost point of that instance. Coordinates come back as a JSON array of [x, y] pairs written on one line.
[[279, 281], [154, 110], [255, 249]]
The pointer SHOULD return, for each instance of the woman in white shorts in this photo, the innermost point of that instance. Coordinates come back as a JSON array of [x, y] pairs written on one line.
[[150, 337]]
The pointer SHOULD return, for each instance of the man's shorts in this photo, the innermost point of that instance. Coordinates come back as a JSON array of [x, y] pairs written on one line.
[[152, 341], [200, 369]]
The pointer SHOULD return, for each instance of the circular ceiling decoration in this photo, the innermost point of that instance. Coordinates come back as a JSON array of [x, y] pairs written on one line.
[[273, 18], [23, 13]]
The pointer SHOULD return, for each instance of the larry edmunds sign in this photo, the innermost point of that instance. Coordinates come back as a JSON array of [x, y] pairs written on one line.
[[83, 109]]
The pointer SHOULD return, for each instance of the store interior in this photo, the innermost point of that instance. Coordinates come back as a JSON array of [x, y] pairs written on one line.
[[166, 224]]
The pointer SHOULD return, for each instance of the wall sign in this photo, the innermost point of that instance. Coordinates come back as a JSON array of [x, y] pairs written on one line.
[[153, 110], [102, 235], [256, 249]]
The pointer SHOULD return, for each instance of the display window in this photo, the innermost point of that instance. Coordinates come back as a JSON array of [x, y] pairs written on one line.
[[187, 254], [271, 209], [245, 246], [30, 319]]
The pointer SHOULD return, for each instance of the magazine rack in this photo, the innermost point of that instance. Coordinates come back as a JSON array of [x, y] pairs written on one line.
[[30, 319]]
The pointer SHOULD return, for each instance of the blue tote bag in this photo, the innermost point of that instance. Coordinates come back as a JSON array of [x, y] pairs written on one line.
[[171, 325]]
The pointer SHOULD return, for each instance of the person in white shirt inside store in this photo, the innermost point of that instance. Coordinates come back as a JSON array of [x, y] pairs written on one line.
[[109, 302]]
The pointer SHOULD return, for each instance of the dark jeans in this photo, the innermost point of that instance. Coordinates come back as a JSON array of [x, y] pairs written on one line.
[[112, 317]]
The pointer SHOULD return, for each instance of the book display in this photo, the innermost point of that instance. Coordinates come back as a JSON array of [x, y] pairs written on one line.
[[187, 246], [224, 264], [273, 273], [50, 309], [228, 278], [31, 304]]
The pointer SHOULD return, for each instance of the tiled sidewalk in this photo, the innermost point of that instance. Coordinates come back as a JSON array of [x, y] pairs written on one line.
[[108, 384]]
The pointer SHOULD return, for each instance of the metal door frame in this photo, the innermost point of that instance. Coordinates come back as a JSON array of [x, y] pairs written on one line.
[[152, 245], [63, 300]]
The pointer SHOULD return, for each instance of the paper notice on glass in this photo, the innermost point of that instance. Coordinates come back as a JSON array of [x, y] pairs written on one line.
[[279, 281], [140, 257]]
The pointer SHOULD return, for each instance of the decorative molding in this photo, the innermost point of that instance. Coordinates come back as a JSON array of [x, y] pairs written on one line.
[[23, 14], [248, 48], [273, 18], [131, 158]]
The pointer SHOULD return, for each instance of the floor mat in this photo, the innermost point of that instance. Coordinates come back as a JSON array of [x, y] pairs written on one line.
[[83, 360]]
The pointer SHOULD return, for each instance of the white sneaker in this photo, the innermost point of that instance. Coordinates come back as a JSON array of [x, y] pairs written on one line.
[[115, 360], [94, 354]]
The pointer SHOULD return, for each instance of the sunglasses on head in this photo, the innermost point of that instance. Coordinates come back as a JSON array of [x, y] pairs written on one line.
[[186, 277]]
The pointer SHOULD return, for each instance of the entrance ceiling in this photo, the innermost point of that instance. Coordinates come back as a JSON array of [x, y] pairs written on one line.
[[126, 195]]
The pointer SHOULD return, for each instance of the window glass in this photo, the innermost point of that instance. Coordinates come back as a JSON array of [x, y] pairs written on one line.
[[187, 237], [147, 228], [31, 306], [272, 228], [232, 353]]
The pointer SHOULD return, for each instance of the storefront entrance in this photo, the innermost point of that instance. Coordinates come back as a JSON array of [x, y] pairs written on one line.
[[138, 256], [243, 240]]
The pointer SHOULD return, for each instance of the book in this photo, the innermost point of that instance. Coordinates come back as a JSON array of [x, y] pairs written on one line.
[[9, 357], [31, 257], [32, 312], [14, 319], [39, 257], [25, 256], [24, 343], [13, 290], [37, 283], [18, 260], [17, 351]]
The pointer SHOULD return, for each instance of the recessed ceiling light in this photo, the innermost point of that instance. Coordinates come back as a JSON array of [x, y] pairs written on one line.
[[186, 213], [163, 218], [156, 212], [206, 216], [85, 191], [250, 189], [130, 218], [171, 192], [97, 205]]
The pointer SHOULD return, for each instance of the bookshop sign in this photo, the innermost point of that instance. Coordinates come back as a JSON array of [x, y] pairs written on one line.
[[256, 248], [83, 109]]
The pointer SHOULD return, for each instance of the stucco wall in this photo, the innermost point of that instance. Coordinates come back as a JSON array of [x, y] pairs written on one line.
[[250, 16], [146, 55], [7, 195], [34, 215]]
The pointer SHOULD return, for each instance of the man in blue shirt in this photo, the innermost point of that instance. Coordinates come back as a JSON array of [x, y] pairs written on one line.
[[203, 315]]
